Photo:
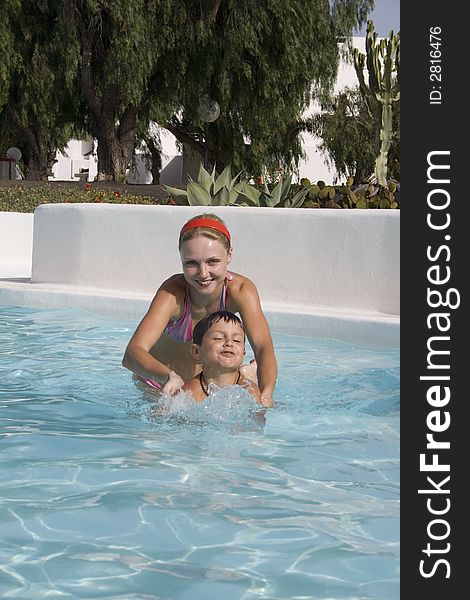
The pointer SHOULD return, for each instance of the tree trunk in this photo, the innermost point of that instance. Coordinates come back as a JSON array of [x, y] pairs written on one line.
[[156, 153], [213, 153], [113, 157], [155, 170], [115, 145], [115, 134], [38, 167], [39, 153]]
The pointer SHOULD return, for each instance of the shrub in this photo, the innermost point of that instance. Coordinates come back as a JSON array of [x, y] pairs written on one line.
[[25, 198]]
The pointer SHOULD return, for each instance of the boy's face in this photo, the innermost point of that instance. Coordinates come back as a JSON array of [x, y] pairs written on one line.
[[223, 346]]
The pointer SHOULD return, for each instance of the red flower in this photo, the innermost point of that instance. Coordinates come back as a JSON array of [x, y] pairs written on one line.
[[171, 202], [87, 186], [116, 194], [259, 180], [97, 199]]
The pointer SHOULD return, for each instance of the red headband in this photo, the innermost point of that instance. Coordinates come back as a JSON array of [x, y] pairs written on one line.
[[210, 223]]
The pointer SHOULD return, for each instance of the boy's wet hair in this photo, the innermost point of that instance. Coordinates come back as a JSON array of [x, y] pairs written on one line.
[[206, 323]]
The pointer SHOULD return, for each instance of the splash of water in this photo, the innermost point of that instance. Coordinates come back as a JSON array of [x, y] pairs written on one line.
[[231, 405]]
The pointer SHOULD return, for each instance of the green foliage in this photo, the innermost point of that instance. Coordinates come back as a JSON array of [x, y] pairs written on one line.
[[281, 196], [263, 63], [116, 65], [224, 190], [208, 190], [23, 198], [349, 196], [382, 59], [39, 106], [26, 196], [319, 195], [346, 136], [8, 51]]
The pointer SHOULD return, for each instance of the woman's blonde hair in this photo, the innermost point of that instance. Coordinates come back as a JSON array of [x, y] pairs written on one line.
[[208, 232]]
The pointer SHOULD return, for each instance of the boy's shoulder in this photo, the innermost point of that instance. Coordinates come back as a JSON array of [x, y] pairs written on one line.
[[193, 386]]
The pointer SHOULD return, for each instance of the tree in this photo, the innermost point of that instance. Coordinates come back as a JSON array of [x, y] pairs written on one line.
[[8, 52], [132, 61], [152, 60], [347, 136], [263, 64], [38, 106]]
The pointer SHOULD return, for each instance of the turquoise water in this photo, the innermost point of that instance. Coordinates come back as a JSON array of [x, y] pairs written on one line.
[[103, 498]]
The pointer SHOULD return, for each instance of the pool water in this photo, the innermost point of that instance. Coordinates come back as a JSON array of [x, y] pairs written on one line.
[[101, 497]]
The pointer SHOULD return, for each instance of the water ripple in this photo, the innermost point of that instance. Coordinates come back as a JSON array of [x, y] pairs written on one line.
[[105, 495]]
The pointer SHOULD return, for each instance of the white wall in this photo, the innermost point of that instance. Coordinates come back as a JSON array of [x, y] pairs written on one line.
[[16, 244], [74, 158], [314, 166], [346, 260]]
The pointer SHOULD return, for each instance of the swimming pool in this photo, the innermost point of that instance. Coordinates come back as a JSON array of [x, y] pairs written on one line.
[[101, 498]]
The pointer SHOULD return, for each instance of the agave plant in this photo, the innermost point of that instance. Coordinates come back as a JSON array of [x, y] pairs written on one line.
[[208, 190], [279, 195], [226, 190]]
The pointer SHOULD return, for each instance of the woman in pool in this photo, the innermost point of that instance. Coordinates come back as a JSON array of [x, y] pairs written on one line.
[[159, 352]]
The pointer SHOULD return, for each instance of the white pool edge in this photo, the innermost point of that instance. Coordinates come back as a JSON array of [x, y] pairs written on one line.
[[319, 273], [372, 330]]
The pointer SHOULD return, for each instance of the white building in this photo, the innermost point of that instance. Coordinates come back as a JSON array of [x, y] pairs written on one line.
[[314, 166], [79, 161]]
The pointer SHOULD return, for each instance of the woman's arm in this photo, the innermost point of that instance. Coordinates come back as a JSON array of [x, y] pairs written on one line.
[[252, 388], [259, 336], [137, 357]]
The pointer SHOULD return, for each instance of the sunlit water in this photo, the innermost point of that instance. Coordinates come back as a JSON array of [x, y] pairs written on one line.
[[102, 497]]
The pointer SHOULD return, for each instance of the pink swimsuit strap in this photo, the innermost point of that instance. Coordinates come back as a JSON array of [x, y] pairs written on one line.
[[153, 384], [182, 328]]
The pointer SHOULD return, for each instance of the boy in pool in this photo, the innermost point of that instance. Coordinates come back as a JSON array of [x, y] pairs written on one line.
[[219, 346]]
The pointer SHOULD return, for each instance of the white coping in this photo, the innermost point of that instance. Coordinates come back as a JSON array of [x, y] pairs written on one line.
[[322, 273], [365, 330]]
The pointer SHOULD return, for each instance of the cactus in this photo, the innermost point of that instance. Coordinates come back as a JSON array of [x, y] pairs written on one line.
[[225, 190], [367, 195], [382, 59]]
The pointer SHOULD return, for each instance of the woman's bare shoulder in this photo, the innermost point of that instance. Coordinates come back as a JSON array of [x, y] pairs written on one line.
[[242, 295], [239, 284], [169, 297], [175, 283]]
